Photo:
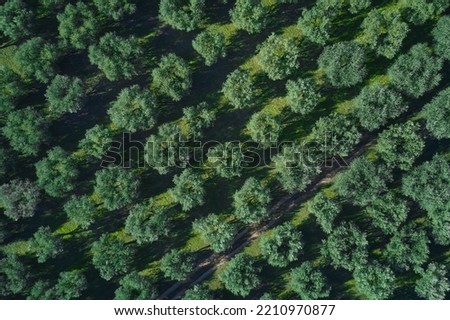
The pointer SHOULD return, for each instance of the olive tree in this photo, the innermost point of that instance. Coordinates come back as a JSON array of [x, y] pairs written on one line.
[[375, 281], [433, 283], [210, 45], [388, 212], [219, 234], [420, 11], [11, 87], [240, 276], [198, 118], [309, 282], [19, 199], [282, 246], [239, 89], [315, 24], [302, 95], [16, 19], [325, 210], [198, 292], [226, 159], [251, 201], [189, 189], [81, 210], [182, 14], [441, 36], [116, 9], [45, 245], [264, 128], [437, 115], [65, 94], [96, 141], [176, 265], [249, 15], [14, 275], [135, 287], [70, 285]]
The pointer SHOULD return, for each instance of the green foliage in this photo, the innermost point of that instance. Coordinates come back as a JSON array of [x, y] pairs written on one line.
[[213, 230], [111, 257], [226, 159], [277, 56], [182, 14], [344, 64], [309, 283], [134, 109], [77, 25], [172, 77], [40, 291], [135, 287], [416, 72], [336, 134], [56, 173], [302, 95], [388, 212], [176, 265], [239, 89], [282, 246], [14, 275], [198, 292], [16, 19], [251, 201], [36, 58], [26, 130], [433, 283], [115, 56], [325, 210], [363, 181], [249, 15], [240, 276], [96, 141], [70, 285], [375, 281], [45, 245], [264, 128], [376, 104], [437, 114], [420, 11], [116, 9], [188, 191], [210, 45], [315, 24], [441, 36], [294, 168], [384, 32], [400, 145], [198, 118], [81, 209], [346, 246], [19, 198], [147, 223], [353, 6], [11, 88], [65, 94], [408, 247], [117, 187]]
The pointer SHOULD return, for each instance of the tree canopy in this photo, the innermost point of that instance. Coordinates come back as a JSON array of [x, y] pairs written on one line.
[[316, 25], [182, 14], [82, 210], [188, 191], [65, 94], [198, 292], [249, 15], [375, 281], [325, 210], [176, 265], [14, 275], [239, 89], [219, 234], [198, 118], [226, 159], [251, 201], [420, 11], [135, 287], [19, 198], [302, 95], [433, 283], [45, 245], [240, 276], [96, 141], [441, 36], [11, 87], [116, 9], [388, 212], [16, 19], [264, 128], [437, 114], [210, 45], [309, 283]]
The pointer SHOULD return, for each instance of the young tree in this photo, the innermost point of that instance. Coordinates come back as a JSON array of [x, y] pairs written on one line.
[[420, 11], [65, 94], [400, 145], [198, 292], [302, 95], [189, 189], [264, 128], [81, 210], [70, 285], [375, 281], [135, 287], [215, 231], [147, 223], [282, 246], [251, 201], [437, 114], [96, 141], [346, 246], [363, 181], [416, 72], [384, 32], [117, 187], [198, 118], [11, 88], [176, 265], [45, 244], [16, 19], [77, 25], [239, 89], [277, 56], [376, 104], [433, 283], [325, 210], [56, 173], [309, 283], [182, 14], [249, 15], [36, 58], [226, 159], [116, 9], [111, 257], [408, 248], [134, 109], [115, 56], [344, 64], [14, 275], [19, 199], [441, 36], [388, 212], [211, 46], [26, 130], [315, 24], [41, 290], [172, 77], [240, 276]]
